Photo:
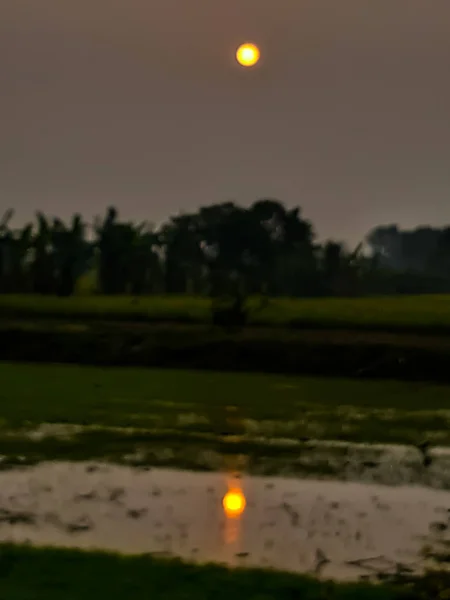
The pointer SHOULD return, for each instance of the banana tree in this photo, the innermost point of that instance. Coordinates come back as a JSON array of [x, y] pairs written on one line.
[[71, 254]]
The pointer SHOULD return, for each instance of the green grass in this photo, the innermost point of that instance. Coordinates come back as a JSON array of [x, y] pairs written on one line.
[[399, 312], [194, 412], [35, 574], [133, 397], [107, 307]]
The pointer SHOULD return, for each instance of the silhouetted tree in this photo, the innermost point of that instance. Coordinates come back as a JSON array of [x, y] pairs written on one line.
[[71, 253], [14, 256], [183, 254], [43, 268], [221, 250], [145, 274]]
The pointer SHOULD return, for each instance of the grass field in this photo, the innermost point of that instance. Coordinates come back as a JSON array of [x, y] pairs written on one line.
[[28, 574], [175, 418], [399, 312], [199, 420], [405, 338], [257, 423]]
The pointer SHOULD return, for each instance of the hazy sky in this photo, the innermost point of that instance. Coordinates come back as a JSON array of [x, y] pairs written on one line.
[[140, 104]]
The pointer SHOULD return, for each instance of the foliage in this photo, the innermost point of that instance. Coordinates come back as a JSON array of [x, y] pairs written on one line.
[[220, 249]]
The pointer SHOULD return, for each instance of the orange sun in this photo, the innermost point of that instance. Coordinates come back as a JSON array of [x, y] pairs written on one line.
[[248, 55]]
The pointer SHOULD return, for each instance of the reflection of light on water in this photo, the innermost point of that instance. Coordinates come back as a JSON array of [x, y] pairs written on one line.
[[234, 504]]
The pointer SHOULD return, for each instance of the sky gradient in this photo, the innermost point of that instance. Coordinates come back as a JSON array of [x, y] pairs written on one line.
[[140, 104]]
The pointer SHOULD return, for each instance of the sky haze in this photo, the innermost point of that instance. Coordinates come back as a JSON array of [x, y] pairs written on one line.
[[141, 104]]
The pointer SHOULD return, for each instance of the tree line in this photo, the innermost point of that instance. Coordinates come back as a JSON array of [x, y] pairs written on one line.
[[220, 249]]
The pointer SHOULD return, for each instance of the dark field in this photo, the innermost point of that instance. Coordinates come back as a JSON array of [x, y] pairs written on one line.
[[415, 313], [404, 338], [28, 574], [380, 357], [88, 412]]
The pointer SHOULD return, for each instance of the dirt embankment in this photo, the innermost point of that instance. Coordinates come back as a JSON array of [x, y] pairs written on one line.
[[348, 353]]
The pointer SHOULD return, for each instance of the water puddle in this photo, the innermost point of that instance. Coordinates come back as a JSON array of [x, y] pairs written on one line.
[[337, 530]]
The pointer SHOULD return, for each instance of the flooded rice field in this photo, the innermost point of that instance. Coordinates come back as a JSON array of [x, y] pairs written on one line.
[[339, 530], [424, 463]]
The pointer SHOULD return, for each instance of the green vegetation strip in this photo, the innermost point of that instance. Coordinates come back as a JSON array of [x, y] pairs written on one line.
[[121, 410], [415, 313], [53, 574]]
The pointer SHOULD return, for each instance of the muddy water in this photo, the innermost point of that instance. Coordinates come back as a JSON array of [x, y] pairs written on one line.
[[333, 529]]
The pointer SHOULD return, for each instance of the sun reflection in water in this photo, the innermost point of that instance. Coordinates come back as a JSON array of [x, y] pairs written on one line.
[[234, 504]]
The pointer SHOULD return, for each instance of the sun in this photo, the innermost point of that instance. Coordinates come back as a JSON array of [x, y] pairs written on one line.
[[248, 54]]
